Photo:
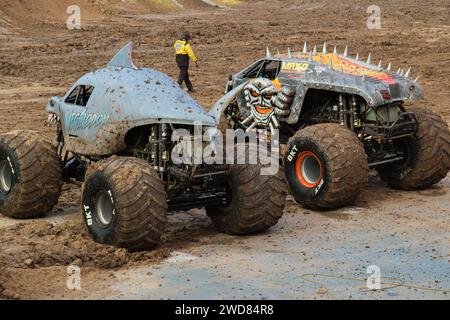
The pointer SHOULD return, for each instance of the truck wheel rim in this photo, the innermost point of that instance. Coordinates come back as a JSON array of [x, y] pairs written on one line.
[[309, 169], [6, 176], [105, 207]]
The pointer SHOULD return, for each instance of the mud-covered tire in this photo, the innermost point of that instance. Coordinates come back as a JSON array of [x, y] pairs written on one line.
[[428, 160], [30, 174], [256, 202], [326, 166], [124, 203]]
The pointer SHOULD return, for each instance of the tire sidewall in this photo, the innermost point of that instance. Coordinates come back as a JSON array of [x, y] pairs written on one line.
[[93, 185], [396, 173], [6, 153], [300, 192]]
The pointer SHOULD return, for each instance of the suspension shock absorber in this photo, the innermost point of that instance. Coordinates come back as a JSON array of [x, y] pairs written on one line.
[[356, 120], [165, 140], [342, 110], [154, 146], [160, 149], [352, 112]]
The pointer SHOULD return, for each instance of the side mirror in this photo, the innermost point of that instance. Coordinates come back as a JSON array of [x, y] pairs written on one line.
[[53, 105]]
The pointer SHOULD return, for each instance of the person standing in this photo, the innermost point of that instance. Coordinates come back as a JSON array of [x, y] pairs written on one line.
[[184, 53]]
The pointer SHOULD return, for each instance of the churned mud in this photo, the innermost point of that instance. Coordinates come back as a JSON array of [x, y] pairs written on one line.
[[308, 254], [29, 248]]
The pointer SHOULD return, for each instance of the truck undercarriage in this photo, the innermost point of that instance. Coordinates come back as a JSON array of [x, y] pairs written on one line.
[[381, 129], [188, 186]]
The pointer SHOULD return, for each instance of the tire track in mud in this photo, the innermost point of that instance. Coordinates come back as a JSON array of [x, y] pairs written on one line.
[[27, 248]]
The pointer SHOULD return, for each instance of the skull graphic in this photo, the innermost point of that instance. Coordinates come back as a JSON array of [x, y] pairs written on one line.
[[266, 103], [259, 94]]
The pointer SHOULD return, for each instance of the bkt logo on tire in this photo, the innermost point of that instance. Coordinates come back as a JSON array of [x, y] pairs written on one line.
[[292, 153], [88, 214]]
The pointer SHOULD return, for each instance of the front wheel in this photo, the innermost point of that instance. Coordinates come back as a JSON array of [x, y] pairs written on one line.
[[256, 201], [30, 174], [124, 203], [326, 166], [427, 155]]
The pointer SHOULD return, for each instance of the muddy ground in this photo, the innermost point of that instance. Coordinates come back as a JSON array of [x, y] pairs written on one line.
[[308, 254]]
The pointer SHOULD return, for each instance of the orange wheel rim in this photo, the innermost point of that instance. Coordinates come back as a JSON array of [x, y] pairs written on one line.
[[309, 169]]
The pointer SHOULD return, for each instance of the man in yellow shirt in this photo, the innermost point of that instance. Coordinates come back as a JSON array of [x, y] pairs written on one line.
[[184, 53]]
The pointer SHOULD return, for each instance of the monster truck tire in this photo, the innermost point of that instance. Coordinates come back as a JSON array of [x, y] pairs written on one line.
[[124, 203], [256, 201], [30, 174], [428, 155], [326, 166]]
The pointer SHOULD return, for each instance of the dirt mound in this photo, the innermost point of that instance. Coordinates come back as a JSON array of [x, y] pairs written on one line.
[[22, 13], [62, 245], [29, 11], [40, 252]]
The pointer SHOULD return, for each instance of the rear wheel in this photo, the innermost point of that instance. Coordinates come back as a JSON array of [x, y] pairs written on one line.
[[427, 155], [326, 166], [30, 174], [256, 201], [124, 203]]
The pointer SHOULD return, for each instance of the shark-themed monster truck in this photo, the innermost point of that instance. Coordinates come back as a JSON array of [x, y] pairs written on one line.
[[339, 116], [118, 132]]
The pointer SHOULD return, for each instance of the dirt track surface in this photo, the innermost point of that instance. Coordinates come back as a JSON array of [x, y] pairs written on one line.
[[308, 254]]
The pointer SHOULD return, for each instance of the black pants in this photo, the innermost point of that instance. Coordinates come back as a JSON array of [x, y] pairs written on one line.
[[184, 77]]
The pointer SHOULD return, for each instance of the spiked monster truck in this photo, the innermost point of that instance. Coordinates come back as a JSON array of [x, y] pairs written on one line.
[[115, 130], [339, 116]]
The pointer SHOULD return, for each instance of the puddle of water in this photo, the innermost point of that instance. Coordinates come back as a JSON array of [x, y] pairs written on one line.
[[180, 257], [350, 210], [342, 214], [434, 192]]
